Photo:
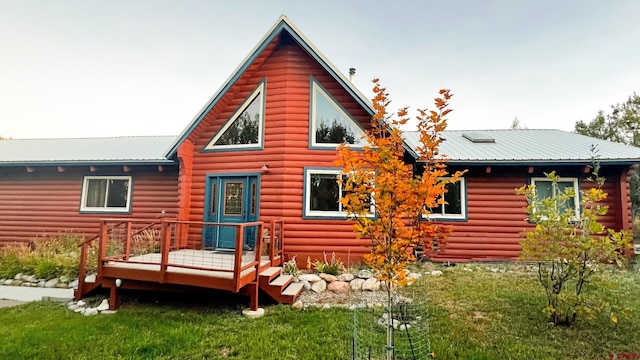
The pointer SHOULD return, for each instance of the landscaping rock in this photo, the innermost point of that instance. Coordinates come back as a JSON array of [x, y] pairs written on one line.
[[62, 286], [8, 282], [436, 273], [339, 287], [297, 305], [365, 274], [64, 279], [319, 286], [18, 276], [28, 284], [310, 278], [41, 283], [16, 282], [51, 283], [25, 277], [415, 276], [108, 312], [328, 277], [345, 277], [104, 305], [356, 284], [81, 303], [371, 284], [90, 312], [306, 285], [73, 284], [72, 307]]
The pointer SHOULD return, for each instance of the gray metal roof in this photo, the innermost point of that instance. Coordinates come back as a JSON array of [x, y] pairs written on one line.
[[117, 150], [528, 146]]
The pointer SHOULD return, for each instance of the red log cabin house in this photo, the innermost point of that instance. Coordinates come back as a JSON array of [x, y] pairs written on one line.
[[252, 181]]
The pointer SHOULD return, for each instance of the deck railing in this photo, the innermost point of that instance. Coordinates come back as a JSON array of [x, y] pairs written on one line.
[[166, 244]]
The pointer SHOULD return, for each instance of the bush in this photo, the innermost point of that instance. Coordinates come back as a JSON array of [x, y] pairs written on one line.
[[47, 258], [333, 267]]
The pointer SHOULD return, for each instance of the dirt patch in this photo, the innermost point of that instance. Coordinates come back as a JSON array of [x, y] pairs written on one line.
[[10, 303]]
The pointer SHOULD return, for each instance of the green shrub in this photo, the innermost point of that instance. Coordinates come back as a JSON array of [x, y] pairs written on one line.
[[13, 260], [291, 267], [47, 258], [333, 267]]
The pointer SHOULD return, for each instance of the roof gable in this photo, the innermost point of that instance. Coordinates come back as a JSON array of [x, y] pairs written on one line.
[[282, 24]]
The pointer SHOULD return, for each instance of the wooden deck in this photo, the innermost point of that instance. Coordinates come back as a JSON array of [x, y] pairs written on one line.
[[167, 255]]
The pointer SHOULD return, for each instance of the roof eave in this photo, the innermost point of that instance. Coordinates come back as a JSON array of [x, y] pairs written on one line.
[[89, 163]]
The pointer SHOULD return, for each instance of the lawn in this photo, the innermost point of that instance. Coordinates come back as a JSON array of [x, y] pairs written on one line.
[[479, 314]]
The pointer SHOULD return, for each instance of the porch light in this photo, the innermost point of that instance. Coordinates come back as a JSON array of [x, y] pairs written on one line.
[[264, 168]]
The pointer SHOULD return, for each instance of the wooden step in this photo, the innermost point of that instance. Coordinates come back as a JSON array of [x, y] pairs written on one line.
[[281, 281], [271, 272], [293, 290]]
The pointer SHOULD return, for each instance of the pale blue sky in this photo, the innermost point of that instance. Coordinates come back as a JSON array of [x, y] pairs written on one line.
[[110, 68]]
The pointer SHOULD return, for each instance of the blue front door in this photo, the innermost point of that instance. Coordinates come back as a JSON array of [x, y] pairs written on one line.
[[230, 199]]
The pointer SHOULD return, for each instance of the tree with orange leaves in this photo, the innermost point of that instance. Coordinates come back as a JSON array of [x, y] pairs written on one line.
[[388, 202]]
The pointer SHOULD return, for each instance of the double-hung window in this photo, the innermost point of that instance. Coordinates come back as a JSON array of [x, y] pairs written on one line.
[[456, 202], [322, 194], [106, 194], [545, 190]]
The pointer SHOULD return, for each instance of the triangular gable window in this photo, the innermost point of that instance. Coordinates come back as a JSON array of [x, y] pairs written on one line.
[[330, 125], [244, 128]]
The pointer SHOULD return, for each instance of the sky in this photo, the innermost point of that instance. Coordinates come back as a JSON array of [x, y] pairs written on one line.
[[89, 68]]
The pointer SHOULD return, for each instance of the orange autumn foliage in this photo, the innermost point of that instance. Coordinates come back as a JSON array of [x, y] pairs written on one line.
[[388, 204]]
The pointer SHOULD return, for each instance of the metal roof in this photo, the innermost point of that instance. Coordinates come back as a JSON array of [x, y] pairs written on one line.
[[117, 150], [531, 146]]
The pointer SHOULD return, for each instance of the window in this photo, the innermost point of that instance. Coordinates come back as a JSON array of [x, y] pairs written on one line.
[[322, 194], [545, 189], [106, 194], [456, 206], [330, 125], [244, 128]]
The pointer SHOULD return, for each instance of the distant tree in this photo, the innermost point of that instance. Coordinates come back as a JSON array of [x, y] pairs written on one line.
[[516, 124], [621, 125]]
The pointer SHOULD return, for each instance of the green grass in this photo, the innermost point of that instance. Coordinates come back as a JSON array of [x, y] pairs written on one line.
[[473, 315]]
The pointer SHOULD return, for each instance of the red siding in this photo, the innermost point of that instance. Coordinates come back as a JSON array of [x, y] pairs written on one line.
[[46, 202], [497, 217], [288, 71]]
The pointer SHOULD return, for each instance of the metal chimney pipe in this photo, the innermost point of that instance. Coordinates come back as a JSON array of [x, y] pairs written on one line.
[[352, 74]]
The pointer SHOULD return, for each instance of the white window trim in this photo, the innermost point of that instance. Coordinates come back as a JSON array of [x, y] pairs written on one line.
[[312, 133], [259, 90], [463, 204], [85, 188], [576, 190], [307, 196]]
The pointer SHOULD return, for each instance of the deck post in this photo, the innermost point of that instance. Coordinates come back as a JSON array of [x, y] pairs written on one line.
[[127, 249], [82, 273], [253, 295], [114, 299], [237, 260], [164, 249], [102, 249]]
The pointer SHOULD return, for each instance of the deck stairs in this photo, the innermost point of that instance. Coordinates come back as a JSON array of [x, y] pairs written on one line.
[[279, 286]]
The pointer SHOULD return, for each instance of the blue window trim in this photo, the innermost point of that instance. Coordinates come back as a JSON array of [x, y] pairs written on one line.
[[312, 131], [332, 215], [578, 185], [260, 89], [464, 217], [83, 196]]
